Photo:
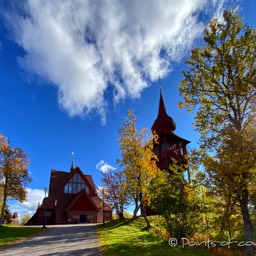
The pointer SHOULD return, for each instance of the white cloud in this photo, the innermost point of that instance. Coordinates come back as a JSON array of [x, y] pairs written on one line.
[[34, 196], [104, 167], [83, 47]]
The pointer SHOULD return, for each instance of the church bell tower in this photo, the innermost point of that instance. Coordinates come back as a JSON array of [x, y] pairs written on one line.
[[170, 145]]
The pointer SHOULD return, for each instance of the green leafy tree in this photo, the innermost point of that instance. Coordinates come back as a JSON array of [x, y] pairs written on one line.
[[176, 200], [220, 213], [138, 162], [14, 175], [220, 85]]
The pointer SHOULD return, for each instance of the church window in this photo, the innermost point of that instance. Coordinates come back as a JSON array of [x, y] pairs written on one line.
[[181, 148], [75, 184], [167, 144], [176, 149], [163, 147]]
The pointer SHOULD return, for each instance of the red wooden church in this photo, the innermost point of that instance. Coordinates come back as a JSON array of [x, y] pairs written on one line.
[[72, 198]]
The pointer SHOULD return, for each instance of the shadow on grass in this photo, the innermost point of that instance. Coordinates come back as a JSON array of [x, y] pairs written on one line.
[[162, 249], [11, 234], [115, 224], [16, 232], [128, 237]]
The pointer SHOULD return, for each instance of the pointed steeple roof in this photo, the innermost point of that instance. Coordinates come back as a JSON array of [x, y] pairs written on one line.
[[161, 108], [163, 122], [72, 164]]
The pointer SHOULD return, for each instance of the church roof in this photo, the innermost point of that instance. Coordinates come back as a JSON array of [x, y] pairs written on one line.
[[59, 179], [163, 123]]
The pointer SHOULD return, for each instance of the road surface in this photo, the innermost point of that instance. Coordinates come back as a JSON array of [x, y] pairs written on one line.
[[79, 239]]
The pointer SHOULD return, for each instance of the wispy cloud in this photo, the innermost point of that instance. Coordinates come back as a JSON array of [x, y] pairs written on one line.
[[104, 167], [34, 196], [84, 47]]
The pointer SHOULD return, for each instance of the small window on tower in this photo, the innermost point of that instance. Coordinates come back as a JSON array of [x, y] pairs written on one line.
[[162, 147], [181, 148], [176, 149], [167, 146]]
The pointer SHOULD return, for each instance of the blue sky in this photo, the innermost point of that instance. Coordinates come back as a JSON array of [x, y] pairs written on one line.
[[70, 70]]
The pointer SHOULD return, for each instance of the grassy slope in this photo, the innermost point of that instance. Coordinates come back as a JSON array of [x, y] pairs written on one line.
[[127, 238], [13, 234]]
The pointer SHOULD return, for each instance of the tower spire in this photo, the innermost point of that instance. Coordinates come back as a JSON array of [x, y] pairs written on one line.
[[163, 123], [161, 107], [160, 83], [72, 164]]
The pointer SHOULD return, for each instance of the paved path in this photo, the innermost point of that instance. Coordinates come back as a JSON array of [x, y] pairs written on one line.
[[80, 239]]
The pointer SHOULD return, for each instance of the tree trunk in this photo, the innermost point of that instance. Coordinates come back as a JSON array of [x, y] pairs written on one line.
[[119, 210], [2, 211], [4, 202], [143, 213], [244, 200], [136, 209]]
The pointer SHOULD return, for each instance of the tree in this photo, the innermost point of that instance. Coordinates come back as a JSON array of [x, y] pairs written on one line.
[[24, 219], [221, 85], [219, 208], [176, 200], [1, 196], [138, 162], [7, 215], [14, 175], [115, 190], [232, 171]]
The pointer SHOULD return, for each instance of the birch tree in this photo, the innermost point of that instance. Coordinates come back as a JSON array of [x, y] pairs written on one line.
[[220, 85], [138, 162]]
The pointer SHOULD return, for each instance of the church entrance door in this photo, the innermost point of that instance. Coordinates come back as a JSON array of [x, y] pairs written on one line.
[[82, 218]]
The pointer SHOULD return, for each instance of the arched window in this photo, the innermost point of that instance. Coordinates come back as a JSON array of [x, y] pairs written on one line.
[[75, 184]]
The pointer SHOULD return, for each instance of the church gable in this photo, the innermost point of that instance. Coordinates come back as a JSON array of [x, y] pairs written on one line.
[[82, 203], [75, 182]]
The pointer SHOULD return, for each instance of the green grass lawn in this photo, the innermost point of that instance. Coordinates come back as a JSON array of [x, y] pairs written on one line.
[[126, 237], [12, 234]]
